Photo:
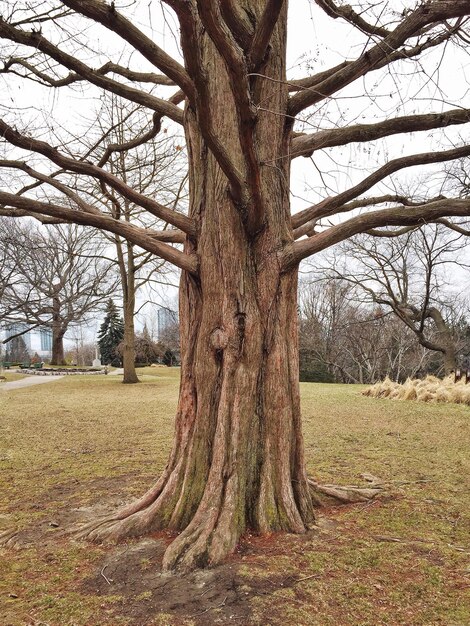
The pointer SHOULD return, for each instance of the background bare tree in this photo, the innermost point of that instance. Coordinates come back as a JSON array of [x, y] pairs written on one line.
[[420, 276], [156, 164], [57, 278], [343, 339], [81, 350], [238, 457], [147, 350]]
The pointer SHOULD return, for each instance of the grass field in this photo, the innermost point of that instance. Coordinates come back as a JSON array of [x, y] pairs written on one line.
[[12, 376], [82, 442]]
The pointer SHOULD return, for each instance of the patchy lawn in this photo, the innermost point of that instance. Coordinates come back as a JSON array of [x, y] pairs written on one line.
[[86, 444]]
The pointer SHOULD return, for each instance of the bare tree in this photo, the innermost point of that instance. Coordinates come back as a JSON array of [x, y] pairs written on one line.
[[344, 339], [147, 351], [82, 352], [409, 276], [155, 165], [238, 458], [57, 278], [170, 337]]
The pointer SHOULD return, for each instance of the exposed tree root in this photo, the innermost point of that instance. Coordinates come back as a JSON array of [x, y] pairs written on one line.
[[117, 528], [213, 531], [211, 534], [202, 543], [335, 494], [8, 539]]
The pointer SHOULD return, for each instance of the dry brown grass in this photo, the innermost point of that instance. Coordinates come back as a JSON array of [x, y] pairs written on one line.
[[429, 389], [10, 376], [82, 441]]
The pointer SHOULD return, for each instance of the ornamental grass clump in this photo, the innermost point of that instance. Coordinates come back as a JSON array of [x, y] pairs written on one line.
[[429, 389]]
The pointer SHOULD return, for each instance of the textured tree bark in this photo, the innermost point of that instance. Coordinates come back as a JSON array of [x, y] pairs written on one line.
[[450, 363], [237, 460], [127, 273], [58, 357], [128, 352], [444, 338], [58, 332]]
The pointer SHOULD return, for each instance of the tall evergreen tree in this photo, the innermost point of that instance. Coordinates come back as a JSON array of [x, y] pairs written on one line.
[[110, 335]]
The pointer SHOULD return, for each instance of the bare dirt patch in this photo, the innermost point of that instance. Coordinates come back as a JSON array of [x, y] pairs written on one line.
[[58, 511], [134, 574], [221, 595]]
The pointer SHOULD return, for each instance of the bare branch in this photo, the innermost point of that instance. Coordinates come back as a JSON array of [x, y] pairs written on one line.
[[138, 77], [37, 41], [457, 227], [135, 234], [238, 23], [388, 234], [305, 145], [169, 236], [427, 13], [41, 147], [43, 219], [374, 200], [141, 77], [336, 204], [239, 84], [141, 139], [20, 333], [347, 13], [20, 165], [107, 15], [190, 24], [404, 54], [263, 33], [395, 216]]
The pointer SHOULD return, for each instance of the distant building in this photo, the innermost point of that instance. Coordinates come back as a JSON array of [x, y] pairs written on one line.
[[166, 319], [37, 341]]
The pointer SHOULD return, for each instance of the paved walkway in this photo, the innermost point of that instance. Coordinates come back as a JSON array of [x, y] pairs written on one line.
[[29, 381], [117, 372]]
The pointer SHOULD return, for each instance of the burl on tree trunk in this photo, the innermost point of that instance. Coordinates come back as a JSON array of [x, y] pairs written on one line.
[[237, 460]]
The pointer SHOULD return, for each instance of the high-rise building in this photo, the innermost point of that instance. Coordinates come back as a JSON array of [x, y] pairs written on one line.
[[166, 318], [38, 340], [45, 335], [16, 329]]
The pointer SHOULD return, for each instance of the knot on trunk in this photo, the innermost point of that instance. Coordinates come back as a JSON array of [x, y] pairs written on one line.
[[219, 339]]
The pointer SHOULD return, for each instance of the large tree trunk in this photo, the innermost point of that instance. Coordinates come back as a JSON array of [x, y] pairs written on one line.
[[445, 339], [58, 357], [237, 460], [128, 351], [127, 273], [58, 332], [450, 362]]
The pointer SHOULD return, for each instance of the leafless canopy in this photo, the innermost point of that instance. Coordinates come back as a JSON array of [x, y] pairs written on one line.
[[46, 45], [419, 276], [54, 279]]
